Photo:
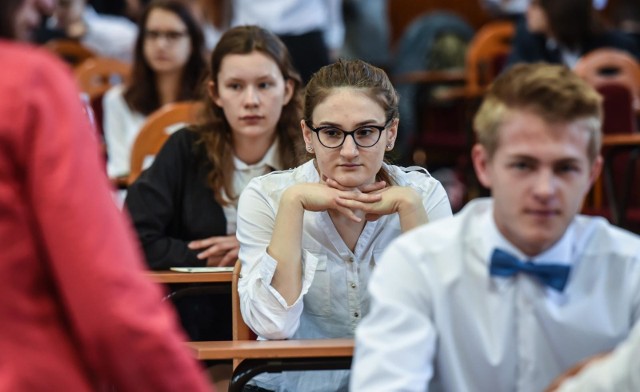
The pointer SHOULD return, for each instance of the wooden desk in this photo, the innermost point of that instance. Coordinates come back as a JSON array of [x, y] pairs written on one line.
[[277, 356], [613, 143], [190, 277]]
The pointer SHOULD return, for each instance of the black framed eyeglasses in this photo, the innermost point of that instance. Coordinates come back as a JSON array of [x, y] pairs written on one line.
[[334, 137], [171, 36]]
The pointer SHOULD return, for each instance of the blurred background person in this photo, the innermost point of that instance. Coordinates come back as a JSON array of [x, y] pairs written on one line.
[[77, 312], [560, 32], [105, 35], [312, 30], [168, 66]]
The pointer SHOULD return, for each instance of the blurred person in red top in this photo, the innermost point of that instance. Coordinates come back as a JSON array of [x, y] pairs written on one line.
[[77, 312]]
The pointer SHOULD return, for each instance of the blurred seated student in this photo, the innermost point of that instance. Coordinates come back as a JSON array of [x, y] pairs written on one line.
[[310, 236], [105, 35], [77, 312], [184, 206], [312, 30], [618, 371], [168, 66], [559, 32], [517, 288]]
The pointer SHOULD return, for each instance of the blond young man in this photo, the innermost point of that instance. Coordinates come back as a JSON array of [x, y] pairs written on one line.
[[515, 289]]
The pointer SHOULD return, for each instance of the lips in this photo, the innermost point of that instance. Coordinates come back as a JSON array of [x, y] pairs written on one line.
[[543, 213], [251, 118]]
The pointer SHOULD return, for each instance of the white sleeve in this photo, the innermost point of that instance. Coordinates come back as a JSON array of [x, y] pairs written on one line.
[[618, 372], [115, 115], [263, 308], [395, 342]]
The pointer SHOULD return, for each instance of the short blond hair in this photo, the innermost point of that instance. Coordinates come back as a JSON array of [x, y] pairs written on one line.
[[553, 92]]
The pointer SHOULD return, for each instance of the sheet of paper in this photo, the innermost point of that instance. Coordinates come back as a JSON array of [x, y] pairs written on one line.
[[202, 269]]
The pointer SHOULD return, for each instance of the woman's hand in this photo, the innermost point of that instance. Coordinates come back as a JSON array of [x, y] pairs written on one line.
[[394, 199], [219, 251], [323, 197]]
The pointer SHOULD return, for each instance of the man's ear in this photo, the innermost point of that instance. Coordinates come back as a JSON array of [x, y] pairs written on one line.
[[213, 93], [480, 158], [596, 169]]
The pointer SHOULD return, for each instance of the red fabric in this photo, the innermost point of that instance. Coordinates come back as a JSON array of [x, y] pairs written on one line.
[[76, 310]]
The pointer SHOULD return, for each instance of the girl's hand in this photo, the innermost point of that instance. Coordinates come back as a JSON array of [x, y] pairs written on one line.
[[322, 197], [395, 199], [219, 251]]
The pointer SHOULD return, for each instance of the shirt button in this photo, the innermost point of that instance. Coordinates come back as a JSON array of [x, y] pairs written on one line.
[[356, 314], [351, 259], [353, 285]]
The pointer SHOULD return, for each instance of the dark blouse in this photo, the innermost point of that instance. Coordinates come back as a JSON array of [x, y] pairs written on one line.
[[171, 204], [530, 48]]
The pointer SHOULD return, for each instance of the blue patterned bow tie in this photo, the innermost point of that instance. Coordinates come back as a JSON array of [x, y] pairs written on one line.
[[506, 265]]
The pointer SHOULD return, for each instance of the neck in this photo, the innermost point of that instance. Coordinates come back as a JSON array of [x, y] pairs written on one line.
[[167, 84], [251, 150]]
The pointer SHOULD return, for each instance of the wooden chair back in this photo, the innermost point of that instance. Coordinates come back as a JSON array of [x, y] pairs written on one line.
[[96, 75], [157, 129], [487, 54], [608, 65], [72, 51]]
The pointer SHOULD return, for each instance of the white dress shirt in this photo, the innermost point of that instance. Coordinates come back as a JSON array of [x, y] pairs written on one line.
[[334, 296], [293, 17], [618, 372], [121, 126], [245, 173], [440, 322]]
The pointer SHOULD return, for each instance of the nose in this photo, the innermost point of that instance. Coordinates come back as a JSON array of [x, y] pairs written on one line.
[[545, 184], [349, 148], [251, 97]]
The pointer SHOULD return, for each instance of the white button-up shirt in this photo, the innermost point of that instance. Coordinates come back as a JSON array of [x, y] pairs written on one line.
[[440, 322], [618, 372], [334, 296]]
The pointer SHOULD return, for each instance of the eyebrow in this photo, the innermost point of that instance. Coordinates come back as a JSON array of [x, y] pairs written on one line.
[[529, 158], [358, 125]]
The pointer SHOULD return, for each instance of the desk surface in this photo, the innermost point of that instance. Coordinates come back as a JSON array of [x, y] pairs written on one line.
[[623, 139], [190, 277], [244, 349]]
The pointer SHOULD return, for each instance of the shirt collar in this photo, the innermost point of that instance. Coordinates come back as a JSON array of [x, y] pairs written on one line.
[[559, 253], [270, 159]]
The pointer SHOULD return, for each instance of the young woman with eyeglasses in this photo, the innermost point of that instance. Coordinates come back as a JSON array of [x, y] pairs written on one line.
[[309, 237], [168, 66]]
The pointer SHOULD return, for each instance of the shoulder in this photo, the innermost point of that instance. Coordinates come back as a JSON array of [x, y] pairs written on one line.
[[114, 94], [26, 65], [414, 176], [615, 39], [184, 140], [597, 235], [273, 184], [455, 232]]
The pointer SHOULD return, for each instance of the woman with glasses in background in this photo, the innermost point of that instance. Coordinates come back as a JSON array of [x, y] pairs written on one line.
[[168, 66], [309, 237]]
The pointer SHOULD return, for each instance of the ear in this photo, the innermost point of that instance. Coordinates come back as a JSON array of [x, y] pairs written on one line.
[[306, 134], [289, 87], [596, 169], [481, 163], [392, 132], [213, 93]]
